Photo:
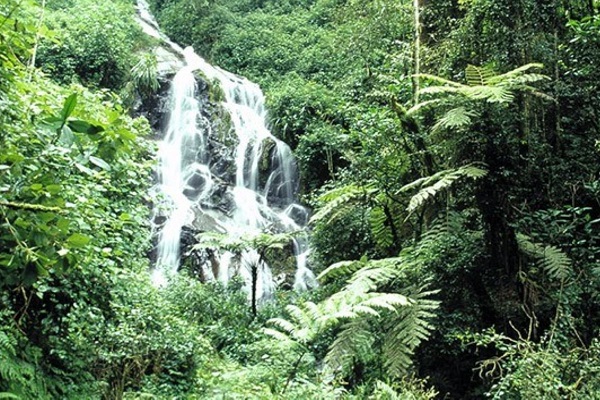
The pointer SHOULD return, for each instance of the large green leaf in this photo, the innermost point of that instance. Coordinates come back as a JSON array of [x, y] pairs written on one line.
[[69, 106], [78, 240]]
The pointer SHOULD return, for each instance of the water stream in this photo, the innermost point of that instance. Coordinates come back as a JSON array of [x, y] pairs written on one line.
[[263, 198]]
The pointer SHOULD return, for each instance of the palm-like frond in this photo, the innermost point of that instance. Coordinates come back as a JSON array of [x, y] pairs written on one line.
[[423, 104], [484, 84], [374, 274], [380, 227], [341, 268], [478, 76], [516, 73], [441, 80], [353, 342], [237, 244]]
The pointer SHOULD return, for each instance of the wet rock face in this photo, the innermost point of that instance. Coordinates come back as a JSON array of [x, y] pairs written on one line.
[[153, 107]]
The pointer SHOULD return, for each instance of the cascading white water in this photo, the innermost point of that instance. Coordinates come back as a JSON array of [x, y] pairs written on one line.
[[186, 183], [178, 168]]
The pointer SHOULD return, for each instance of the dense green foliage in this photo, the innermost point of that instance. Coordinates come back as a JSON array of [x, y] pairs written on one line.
[[96, 42], [452, 164], [482, 169]]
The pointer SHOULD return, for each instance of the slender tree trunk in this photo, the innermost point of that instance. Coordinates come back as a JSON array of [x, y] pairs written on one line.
[[37, 39], [417, 50], [254, 273], [390, 219]]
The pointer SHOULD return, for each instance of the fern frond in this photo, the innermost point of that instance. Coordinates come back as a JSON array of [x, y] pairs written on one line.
[[384, 391], [524, 79], [556, 263], [340, 199], [553, 261], [515, 73], [341, 268], [388, 301], [374, 275], [439, 79], [298, 314], [382, 233], [22, 376], [359, 304], [409, 327], [492, 94], [455, 118], [424, 104], [445, 179], [478, 76], [216, 240], [533, 91], [284, 325], [484, 84], [422, 181], [353, 342], [282, 337], [444, 89]]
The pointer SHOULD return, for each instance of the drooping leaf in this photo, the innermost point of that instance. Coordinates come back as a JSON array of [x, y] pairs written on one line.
[[100, 163], [455, 118], [80, 126]]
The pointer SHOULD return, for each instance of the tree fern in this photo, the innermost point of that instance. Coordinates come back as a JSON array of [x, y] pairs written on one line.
[[484, 84]]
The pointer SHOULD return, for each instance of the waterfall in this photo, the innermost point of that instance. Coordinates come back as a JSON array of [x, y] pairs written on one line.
[[261, 191]]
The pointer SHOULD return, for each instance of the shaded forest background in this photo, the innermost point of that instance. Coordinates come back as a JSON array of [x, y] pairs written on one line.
[[449, 150]]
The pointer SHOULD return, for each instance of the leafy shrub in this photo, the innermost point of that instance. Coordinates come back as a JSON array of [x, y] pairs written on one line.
[[545, 370], [95, 44]]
